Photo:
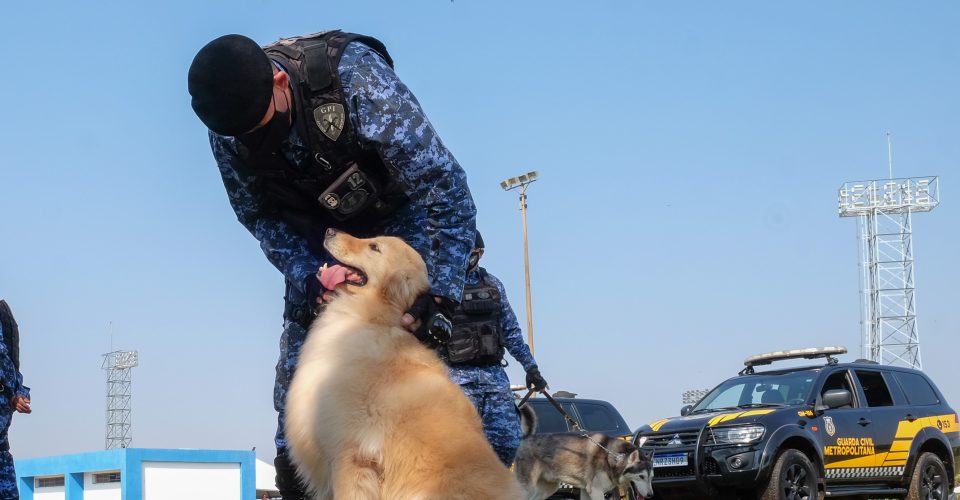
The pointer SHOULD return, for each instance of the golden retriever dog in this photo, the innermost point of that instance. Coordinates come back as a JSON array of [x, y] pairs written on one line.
[[371, 412]]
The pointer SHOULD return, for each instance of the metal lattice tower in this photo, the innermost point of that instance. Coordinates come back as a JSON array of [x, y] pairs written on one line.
[[888, 316], [118, 365], [690, 397]]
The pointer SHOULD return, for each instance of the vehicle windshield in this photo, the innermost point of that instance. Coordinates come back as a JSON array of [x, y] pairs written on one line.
[[757, 391]]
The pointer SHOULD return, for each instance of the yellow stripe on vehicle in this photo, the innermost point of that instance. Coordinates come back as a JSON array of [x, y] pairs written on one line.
[[900, 445], [907, 429], [865, 461], [655, 426], [719, 419]]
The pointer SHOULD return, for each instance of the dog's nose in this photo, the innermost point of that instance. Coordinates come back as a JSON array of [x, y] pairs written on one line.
[[331, 232]]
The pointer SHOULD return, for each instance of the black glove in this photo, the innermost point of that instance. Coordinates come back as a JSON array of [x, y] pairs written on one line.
[[314, 291], [435, 319], [535, 381]]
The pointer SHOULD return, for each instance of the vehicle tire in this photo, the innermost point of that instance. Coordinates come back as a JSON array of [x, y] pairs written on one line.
[[929, 480], [793, 478]]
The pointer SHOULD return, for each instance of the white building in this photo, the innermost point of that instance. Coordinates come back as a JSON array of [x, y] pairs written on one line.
[[140, 474]]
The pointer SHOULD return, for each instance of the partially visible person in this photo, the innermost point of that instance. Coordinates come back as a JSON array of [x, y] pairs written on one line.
[[14, 396], [317, 132], [483, 326]]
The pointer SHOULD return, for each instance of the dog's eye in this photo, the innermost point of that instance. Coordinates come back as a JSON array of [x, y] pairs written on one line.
[[375, 247]]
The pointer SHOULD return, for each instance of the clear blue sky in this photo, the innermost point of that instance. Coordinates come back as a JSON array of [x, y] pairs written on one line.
[[690, 154]]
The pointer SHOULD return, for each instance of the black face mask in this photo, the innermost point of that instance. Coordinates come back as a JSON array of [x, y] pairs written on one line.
[[268, 138], [473, 261]]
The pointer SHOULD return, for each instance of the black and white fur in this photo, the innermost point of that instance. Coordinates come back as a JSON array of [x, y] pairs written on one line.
[[546, 460]]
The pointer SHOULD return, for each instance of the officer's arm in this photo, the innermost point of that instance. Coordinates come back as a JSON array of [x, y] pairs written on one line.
[[391, 120], [9, 375], [512, 336], [283, 246]]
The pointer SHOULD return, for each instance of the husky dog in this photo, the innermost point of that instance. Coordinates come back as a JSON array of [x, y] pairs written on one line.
[[546, 460]]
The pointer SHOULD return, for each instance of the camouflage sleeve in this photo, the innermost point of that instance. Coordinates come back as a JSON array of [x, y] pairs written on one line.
[[389, 117], [283, 246], [10, 377], [512, 336]]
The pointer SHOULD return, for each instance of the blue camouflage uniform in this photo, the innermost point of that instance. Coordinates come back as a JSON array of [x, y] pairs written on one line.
[[488, 386], [438, 222], [12, 382]]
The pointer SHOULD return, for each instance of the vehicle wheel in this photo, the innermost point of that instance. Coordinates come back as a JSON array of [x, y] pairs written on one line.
[[793, 478], [929, 480]]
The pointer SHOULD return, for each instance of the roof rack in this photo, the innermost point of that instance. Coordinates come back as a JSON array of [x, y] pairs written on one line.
[[808, 353]]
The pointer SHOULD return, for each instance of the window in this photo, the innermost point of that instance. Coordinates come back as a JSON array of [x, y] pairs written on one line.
[[874, 388], [917, 389], [106, 477], [598, 418], [548, 418], [838, 380], [48, 482], [761, 389]]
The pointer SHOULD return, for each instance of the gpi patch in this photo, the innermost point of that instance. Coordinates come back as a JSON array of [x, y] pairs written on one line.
[[329, 118]]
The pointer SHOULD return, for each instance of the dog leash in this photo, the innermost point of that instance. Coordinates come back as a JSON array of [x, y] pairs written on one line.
[[570, 420]]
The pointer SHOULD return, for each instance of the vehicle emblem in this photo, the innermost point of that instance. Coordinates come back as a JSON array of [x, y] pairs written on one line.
[[828, 426], [675, 441], [329, 118]]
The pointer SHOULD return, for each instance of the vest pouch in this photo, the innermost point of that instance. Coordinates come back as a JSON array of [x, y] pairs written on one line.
[[463, 348], [350, 194], [490, 348], [480, 303]]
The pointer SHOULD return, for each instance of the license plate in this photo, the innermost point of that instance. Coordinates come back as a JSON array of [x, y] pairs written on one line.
[[672, 460]]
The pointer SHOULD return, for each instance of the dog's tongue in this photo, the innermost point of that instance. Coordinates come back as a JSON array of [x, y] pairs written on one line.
[[331, 276]]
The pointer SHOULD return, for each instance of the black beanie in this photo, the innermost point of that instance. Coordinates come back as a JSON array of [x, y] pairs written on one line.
[[478, 243], [231, 81]]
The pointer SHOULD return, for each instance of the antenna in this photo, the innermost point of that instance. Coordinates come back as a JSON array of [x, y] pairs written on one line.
[[889, 156], [118, 365]]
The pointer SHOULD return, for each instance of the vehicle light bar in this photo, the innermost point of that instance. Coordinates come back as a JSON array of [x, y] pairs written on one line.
[[809, 353]]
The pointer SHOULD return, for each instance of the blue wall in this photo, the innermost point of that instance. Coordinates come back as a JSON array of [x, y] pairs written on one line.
[[129, 461]]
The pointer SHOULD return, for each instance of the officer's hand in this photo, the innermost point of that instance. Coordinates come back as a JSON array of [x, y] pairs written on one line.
[[21, 404], [535, 381], [429, 318]]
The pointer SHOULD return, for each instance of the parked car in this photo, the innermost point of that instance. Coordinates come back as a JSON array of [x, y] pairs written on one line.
[[839, 429], [593, 415]]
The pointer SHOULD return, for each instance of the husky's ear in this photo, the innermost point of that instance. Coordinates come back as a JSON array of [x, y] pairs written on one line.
[[649, 456], [634, 457]]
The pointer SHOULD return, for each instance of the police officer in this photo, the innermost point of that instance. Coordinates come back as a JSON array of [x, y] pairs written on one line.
[[483, 325], [14, 396], [316, 132]]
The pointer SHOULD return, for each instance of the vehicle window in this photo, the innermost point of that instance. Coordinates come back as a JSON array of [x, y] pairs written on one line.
[[759, 390], [598, 418], [548, 418], [838, 380], [874, 388], [917, 389]]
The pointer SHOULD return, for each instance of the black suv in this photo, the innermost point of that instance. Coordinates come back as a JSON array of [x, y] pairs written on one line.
[[593, 415], [841, 429]]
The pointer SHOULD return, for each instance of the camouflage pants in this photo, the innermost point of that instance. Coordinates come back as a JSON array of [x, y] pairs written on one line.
[[290, 343], [501, 423], [8, 476]]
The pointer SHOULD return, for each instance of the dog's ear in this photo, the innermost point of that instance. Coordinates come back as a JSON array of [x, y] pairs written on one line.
[[649, 456], [634, 457], [399, 289]]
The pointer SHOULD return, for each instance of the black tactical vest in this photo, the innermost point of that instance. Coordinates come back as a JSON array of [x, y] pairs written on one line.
[[478, 335], [345, 184], [11, 333]]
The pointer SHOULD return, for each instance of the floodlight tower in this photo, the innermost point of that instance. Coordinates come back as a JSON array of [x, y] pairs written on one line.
[[884, 209], [118, 365], [522, 181]]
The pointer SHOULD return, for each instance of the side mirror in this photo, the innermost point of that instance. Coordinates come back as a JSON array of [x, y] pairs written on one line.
[[835, 398], [686, 410]]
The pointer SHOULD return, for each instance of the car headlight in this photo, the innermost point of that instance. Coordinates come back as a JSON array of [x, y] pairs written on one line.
[[737, 435], [640, 441]]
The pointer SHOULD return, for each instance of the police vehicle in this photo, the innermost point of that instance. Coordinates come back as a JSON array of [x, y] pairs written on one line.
[[836, 429]]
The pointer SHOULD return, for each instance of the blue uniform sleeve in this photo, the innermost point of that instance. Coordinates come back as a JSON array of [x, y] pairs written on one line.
[[389, 118], [9, 375], [512, 336], [283, 246]]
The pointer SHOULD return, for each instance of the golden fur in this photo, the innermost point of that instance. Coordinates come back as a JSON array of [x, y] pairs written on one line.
[[371, 413]]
